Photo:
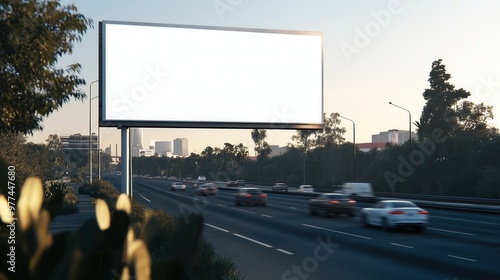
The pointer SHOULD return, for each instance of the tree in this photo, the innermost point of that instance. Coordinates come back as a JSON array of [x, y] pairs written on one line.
[[57, 158], [33, 36], [439, 111], [262, 148]]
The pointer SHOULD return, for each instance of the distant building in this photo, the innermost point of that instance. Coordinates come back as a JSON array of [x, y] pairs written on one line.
[[146, 152], [181, 147], [394, 136], [78, 142], [136, 136], [163, 148], [277, 150], [366, 147]]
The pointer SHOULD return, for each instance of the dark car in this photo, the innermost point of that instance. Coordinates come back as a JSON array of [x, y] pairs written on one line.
[[250, 196], [332, 203], [231, 184], [280, 187], [207, 189], [240, 183]]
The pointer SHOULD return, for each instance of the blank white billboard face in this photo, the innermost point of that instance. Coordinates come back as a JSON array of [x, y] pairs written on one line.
[[185, 76]]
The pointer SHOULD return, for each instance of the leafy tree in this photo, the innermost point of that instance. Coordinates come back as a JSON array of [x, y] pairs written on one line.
[[262, 148], [57, 157], [33, 36], [332, 132], [439, 111]]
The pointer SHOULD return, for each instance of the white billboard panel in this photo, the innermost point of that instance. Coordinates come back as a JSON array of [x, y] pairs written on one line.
[[193, 76]]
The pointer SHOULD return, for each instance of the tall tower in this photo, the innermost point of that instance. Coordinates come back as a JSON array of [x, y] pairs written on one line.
[[181, 147], [136, 135]]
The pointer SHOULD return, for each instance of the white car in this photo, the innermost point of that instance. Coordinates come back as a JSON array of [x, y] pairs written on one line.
[[306, 188], [390, 214], [201, 178], [178, 186]]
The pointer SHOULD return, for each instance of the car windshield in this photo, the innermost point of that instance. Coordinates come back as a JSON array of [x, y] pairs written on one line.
[[402, 204]]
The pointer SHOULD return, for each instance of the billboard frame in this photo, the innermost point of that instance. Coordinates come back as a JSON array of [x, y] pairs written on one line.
[[199, 124]]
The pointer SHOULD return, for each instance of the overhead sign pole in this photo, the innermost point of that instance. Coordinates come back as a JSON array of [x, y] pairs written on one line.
[[125, 186]]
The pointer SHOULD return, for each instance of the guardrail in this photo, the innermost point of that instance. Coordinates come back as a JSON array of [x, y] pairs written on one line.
[[440, 198]]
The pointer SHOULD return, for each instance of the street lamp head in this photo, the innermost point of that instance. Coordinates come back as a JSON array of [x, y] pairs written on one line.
[[390, 102]]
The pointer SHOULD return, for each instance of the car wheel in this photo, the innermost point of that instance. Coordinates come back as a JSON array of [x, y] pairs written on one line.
[[263, 204], [350, 214], [312, 211], [364, 220], [385, 224], [420, 228]]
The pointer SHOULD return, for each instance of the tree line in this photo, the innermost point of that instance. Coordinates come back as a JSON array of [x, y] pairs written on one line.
[[457, 153]]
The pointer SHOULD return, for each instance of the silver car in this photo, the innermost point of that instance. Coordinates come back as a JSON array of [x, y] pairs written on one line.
[[390, 214]]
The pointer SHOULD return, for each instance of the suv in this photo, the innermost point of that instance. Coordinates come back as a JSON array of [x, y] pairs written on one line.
[[280, 187]]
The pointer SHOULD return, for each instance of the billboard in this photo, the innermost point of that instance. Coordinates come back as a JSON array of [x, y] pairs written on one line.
[[159, 75]]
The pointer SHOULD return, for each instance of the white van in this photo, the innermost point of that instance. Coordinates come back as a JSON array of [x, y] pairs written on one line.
[[357, 189]]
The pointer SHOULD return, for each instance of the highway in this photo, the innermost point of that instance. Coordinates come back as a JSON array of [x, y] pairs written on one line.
[[283, 241]]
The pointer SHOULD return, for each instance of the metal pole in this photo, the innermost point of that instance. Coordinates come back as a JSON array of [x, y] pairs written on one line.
[[409, 137], [125, 161], [99, 151], [90, 129], [353, 147]]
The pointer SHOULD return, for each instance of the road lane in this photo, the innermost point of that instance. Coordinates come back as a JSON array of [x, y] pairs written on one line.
[[442, 252]]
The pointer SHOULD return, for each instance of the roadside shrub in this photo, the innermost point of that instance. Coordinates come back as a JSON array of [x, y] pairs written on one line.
[[69, 199]]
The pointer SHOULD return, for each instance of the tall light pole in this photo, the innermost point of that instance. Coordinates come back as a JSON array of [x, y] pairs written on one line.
[[409, 134], [353, 147], [90, 128]]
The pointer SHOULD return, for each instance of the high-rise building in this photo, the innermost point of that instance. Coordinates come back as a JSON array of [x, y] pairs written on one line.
[[181, 147], [136, 136], [163, 148]]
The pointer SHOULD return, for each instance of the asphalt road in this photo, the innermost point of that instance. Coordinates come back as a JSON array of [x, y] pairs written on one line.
[[283, 241]]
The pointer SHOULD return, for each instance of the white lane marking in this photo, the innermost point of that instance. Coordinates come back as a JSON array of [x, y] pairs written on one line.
[[267, 216], [221, 205], [339, 232], [295, 208], [246, 211], [253, 240], [401, 245], [144, 197], [221, 229], [463, 220], [452, 231], [461, 258], [286, 252]]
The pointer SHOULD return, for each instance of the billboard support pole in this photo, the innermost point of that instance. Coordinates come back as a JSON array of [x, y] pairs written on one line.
[[125, 186]]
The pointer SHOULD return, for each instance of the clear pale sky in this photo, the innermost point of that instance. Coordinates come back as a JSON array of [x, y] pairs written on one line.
[[375, 51]]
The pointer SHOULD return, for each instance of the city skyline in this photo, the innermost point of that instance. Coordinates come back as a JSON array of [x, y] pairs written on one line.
[[375, 52]]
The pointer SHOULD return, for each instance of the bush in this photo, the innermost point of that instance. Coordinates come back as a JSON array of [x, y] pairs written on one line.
[[69, 199], [164, 248]]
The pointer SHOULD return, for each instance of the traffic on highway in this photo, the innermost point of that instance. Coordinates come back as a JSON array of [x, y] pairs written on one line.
[[282, 240]]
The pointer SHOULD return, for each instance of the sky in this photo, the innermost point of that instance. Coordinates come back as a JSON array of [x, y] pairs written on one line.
[[374, 52]]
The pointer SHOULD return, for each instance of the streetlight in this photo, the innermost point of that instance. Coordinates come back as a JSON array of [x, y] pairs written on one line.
[[354, 147], [90, 128], [409, 133], [409, 123]]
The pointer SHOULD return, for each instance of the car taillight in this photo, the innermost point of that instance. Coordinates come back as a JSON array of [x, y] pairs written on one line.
[[334, 202], [263, 195], [423, 212], [352, 201], [248, 195], [396, 212]]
